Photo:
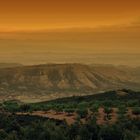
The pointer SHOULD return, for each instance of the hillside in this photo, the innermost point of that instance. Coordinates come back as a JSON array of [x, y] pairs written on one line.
[[65, 80], [127, 95], [111, 115]]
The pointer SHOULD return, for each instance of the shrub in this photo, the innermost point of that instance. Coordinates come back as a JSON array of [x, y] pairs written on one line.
[[136, 110], [82, 113]]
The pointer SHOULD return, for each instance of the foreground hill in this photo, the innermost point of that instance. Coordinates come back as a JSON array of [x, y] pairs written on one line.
[[64, 80], [109, 96], [112, 115]]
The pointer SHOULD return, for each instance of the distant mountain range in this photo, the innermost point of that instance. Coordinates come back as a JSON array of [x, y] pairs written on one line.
[[9, 65], [55, 80]]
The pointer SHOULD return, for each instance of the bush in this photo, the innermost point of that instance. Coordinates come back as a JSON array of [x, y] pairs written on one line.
[[128, 135], [94, 108], [82, 113], [11, 106], [3, 134], [69, 110], [136, 110], [122, 109], [108, 110], [110, 133], [25, 108]]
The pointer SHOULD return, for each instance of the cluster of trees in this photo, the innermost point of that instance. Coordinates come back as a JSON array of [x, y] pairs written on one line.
[[35, 128], [80, 108], [107, 99]]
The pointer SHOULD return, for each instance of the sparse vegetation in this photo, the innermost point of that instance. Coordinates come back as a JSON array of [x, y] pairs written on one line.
[[14, 126]]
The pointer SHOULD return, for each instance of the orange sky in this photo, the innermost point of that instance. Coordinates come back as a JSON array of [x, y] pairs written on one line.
[[68, 27], [46, 14]]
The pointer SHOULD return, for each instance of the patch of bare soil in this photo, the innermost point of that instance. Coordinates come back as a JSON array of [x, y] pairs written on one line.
[[121, 93], [101, 115], [70, 118], [113, 116]]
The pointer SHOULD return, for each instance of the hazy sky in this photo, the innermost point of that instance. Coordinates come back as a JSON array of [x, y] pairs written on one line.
[[40, 14], [68, 29]]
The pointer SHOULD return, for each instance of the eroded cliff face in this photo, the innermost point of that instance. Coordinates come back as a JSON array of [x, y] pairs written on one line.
[[64, 78]]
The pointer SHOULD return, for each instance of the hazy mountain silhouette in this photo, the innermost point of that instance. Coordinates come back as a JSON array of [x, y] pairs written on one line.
[[9, 65]]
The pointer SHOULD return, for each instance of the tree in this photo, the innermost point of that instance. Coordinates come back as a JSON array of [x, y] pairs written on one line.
[[82, 113], [110, 133], [73, 131], [128, 135], [3, 134], [84, 134], [93, 127], [12, 136], [136, 110], [25, 107], [108, 111]]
